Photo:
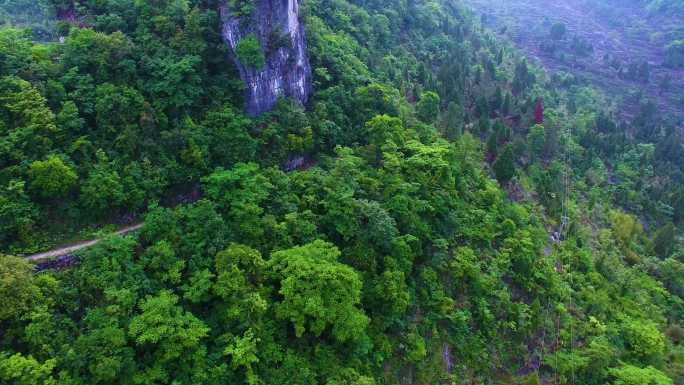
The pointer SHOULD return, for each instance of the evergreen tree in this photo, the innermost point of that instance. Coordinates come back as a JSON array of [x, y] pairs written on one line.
[[504, 166]]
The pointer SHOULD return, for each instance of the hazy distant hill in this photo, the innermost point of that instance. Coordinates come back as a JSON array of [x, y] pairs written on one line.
[[631, 49], [36, 14]]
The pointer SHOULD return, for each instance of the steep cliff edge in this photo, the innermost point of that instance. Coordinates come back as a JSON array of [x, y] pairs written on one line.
[[278, 64]]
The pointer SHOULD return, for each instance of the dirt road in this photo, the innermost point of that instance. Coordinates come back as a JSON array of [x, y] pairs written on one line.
[[78, 246]]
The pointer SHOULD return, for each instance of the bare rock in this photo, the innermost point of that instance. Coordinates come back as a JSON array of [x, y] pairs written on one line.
[[278, 26]]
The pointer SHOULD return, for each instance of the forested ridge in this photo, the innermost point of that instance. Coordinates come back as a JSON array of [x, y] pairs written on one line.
[[633, 51], [440, 212]]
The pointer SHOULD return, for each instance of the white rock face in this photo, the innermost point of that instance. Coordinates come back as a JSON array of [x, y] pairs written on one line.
[[287, 72]]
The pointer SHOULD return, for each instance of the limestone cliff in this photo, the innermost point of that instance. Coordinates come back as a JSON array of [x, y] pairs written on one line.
[[286, 70]]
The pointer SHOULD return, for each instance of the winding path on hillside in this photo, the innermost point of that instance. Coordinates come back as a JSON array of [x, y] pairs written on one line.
[[70, 249]]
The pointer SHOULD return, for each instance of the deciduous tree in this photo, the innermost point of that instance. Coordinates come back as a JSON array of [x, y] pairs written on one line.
[[52, 178], [318, 292]]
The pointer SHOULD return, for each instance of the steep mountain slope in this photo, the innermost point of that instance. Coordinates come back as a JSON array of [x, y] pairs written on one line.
[[620, 47], [277, 62], [35, 14], [457, 216]]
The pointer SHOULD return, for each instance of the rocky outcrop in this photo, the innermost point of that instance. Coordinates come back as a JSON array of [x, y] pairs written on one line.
[[286, 72]]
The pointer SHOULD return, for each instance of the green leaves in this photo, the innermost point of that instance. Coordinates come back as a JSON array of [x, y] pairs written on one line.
[[17, 289], [318, 292], [243, 353], [175, 84], [17, 213], [165, 328], [230, 133], [387, 244], [28, 129], [427, 108], [103, 189], [250, 53], [240, 193], [118, 109], [103, 350], [98, 54], [240, 256], [383, 128], [633, 375], [168, 340], [645, 340], [350, 377], [52, 178], [15, 50], [162, 262], [504, 167], [537, 141], [198, 289], [19, 370], [377, 99]]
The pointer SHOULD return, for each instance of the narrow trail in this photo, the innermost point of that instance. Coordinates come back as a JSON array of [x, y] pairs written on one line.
[[66, 250]]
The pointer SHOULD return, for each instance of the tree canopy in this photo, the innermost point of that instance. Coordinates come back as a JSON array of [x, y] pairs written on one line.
[[441, 211]]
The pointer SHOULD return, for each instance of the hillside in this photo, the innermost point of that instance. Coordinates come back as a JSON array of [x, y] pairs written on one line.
[[439, 209], [625, 48], [35, 14]]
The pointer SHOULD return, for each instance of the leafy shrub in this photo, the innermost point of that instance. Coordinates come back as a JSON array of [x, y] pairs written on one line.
[[249, 52]]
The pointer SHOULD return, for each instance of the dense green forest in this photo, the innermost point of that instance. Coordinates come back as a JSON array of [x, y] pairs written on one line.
[[37, 15], [460, 217]]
